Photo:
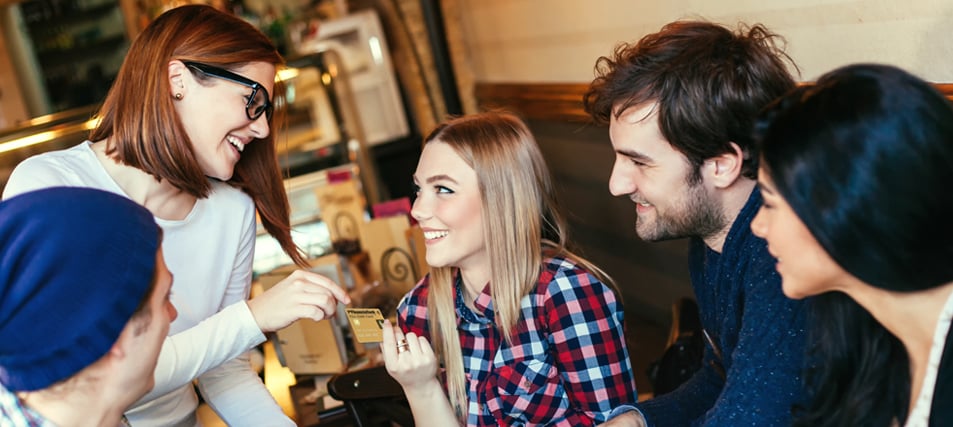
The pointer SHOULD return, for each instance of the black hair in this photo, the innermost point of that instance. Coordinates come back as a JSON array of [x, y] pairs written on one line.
[[864, 157]]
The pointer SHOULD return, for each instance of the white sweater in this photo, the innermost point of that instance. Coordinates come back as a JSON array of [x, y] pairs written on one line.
[[210, 256]]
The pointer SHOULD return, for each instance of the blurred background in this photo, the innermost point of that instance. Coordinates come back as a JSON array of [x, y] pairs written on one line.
[[367, 78]]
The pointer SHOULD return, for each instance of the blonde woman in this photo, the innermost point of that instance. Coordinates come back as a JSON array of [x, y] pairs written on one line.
[[526, 332]]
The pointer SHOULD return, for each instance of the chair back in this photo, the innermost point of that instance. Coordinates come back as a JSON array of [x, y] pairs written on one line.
[[371, 397]]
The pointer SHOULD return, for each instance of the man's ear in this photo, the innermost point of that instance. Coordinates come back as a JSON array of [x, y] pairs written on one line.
[[177, 76], [123, 345], [116, 354], [724, 169]]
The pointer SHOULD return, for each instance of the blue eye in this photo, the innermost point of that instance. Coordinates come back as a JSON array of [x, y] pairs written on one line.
[[444, 190]]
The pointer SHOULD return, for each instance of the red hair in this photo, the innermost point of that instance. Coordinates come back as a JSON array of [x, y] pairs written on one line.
[[146, 132]]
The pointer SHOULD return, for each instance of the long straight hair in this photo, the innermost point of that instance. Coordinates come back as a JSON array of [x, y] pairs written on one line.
[[521, 225], [864, 158], [139, 117]]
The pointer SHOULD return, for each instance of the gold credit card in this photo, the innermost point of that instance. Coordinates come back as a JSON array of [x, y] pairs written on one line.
[[367, 324]]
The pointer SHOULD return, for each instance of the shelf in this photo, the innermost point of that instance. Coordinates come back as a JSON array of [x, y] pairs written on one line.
[[101, 47], [69, 18]]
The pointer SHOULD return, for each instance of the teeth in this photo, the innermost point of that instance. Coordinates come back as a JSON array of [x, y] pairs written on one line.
[[430, 235], [645, 204], [234, 141]]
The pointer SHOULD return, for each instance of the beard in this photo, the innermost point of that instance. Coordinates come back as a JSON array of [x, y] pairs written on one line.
[[694, 214]]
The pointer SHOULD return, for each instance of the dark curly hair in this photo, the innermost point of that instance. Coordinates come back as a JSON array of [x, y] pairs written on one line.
[[709, 83]]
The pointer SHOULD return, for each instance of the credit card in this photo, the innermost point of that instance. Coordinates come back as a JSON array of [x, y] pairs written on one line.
[[367, 324]]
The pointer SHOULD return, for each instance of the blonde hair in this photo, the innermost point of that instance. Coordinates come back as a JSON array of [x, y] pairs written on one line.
[[518, 195]]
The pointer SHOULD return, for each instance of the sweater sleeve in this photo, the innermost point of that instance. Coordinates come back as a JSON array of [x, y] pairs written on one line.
[[688, 402], [233, 389], [762, 369], [238, 396], [764, 376], [190, 353]]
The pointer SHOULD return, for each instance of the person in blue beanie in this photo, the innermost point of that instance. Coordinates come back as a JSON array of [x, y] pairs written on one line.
[[84, 307], [187, 132], [680, 105], [855, 171]]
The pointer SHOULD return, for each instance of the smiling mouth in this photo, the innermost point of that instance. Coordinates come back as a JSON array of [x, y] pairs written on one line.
[[431, 235], [643, 207], [639, 202], [236, 143]]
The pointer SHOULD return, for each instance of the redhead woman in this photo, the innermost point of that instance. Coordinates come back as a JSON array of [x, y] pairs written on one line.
[[855, 174], [526, 331], [186, 132]]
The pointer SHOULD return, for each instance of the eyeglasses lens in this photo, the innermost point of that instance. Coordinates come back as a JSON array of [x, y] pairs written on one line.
[[259, 104]]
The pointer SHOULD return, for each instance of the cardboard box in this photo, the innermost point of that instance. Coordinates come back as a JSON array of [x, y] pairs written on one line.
[[342, 209], [392, 259]]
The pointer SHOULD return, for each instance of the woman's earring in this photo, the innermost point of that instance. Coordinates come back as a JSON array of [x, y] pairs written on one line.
[[178, 95]]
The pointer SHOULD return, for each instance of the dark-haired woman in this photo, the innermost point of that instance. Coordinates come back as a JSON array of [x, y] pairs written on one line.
[[855, 175]]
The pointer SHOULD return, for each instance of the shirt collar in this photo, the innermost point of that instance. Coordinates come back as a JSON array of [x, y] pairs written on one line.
[[483, 303]]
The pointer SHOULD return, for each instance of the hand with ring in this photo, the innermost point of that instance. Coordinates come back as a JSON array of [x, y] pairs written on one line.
[[402, 346], [409, 359]]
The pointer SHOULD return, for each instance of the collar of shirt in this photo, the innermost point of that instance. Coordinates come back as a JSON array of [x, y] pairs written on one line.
[[483, 304], [13, 411]]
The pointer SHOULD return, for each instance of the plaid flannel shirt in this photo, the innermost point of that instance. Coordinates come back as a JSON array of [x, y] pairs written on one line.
[[568, 365], [14, 413]]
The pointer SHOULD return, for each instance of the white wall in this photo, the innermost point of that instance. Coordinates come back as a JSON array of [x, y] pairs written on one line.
[[559, 40]]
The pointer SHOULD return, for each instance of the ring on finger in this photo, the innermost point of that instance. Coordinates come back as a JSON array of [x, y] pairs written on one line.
[[402, 347]]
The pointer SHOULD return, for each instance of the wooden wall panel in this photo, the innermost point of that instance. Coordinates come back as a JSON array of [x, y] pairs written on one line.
[[539, 101]]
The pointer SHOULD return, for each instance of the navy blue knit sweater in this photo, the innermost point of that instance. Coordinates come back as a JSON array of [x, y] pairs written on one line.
[[759, 331]]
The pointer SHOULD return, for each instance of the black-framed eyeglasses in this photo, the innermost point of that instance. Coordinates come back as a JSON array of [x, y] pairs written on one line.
[[258, 102]]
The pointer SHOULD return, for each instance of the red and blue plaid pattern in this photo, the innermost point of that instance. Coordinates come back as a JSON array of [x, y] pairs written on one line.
[[568, 365]]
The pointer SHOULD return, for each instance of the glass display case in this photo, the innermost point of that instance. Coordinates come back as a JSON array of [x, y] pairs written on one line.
[[339, 97], [314, 142]]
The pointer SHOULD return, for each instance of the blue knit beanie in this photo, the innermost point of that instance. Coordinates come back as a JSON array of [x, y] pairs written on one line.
[[75, 264]]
